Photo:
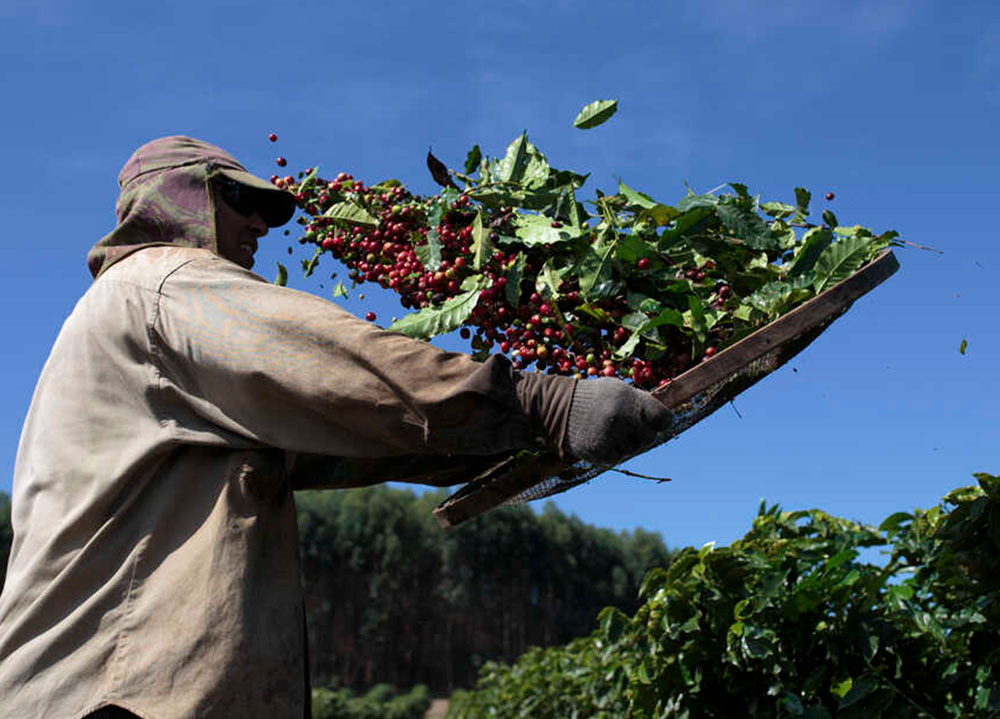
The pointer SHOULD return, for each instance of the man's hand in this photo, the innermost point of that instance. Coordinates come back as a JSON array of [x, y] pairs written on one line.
[[610, 420]]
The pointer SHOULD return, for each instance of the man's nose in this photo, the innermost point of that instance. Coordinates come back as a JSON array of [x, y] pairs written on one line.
[[257, 224]]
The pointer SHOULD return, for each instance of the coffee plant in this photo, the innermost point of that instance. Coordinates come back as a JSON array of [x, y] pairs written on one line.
[[790, 622], [382, 701], [620, 285]]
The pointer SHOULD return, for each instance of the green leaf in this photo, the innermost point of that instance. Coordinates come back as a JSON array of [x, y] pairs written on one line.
[[860, 689], [773, 296], [853, 230], [431, 259], [596, 113], [448, 197], [631, 248], [473, 159], [613, 623], [514, 275], [840, 260], [802, 198], [784, 236], [576, 215], [423, 253], [649, 306], [634, 320], [339, 290], [747, 225], [514, 160], [596, 280], [282, 278], [538, 230], [482, 248], [662, 214], [548, 280], [741, 191], [432, 321], [892, 523], [840, 689], [806, 255], [667, 317], [694, 318], [633, 197], [642, 674], [655, 579], [829, 218], [309, 179], [963, 346], [475, 282], [597, 313], [693, 201], [309, 265], [778, 210], [351, 214], [629, 346], [523, 164]]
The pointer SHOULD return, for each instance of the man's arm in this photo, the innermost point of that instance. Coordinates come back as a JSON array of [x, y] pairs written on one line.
[[294, 371], [290, 370]]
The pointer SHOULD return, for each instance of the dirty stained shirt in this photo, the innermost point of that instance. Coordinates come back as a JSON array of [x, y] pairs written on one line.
[[154, 563]]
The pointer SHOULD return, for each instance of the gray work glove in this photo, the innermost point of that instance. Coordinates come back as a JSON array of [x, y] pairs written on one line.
[[610, 420]]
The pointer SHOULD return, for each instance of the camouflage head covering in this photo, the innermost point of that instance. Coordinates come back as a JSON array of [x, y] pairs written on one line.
[[166, 200]]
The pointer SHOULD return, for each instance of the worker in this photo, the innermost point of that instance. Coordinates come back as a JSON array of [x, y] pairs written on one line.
[[154, 569]]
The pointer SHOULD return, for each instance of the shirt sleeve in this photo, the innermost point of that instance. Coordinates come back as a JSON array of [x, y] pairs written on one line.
[[290, 370]]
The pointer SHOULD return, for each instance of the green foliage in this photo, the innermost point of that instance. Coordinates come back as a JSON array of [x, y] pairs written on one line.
[[380, 702], [790, 622]]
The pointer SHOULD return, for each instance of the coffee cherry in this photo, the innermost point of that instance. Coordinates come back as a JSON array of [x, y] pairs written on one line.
[[643, 263], [272, 137], [829, 196], [370, 316], [281, 162]]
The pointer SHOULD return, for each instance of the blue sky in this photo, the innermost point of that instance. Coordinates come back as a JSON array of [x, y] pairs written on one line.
[[893, 105]]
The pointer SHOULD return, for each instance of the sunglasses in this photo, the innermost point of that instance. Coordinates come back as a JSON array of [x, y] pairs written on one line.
[[240, 197]]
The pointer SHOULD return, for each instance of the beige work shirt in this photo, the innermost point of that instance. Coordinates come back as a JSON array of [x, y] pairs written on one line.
[[154, 563]]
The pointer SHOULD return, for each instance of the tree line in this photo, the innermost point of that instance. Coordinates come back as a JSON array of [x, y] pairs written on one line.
[[392, 598]]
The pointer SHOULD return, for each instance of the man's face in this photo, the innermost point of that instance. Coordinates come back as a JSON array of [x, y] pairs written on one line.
[[236, 235]]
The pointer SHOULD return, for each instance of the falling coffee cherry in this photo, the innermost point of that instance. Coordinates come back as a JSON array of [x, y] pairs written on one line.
[[281, 161], [829, 196], [370, 316], [272, 137]]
